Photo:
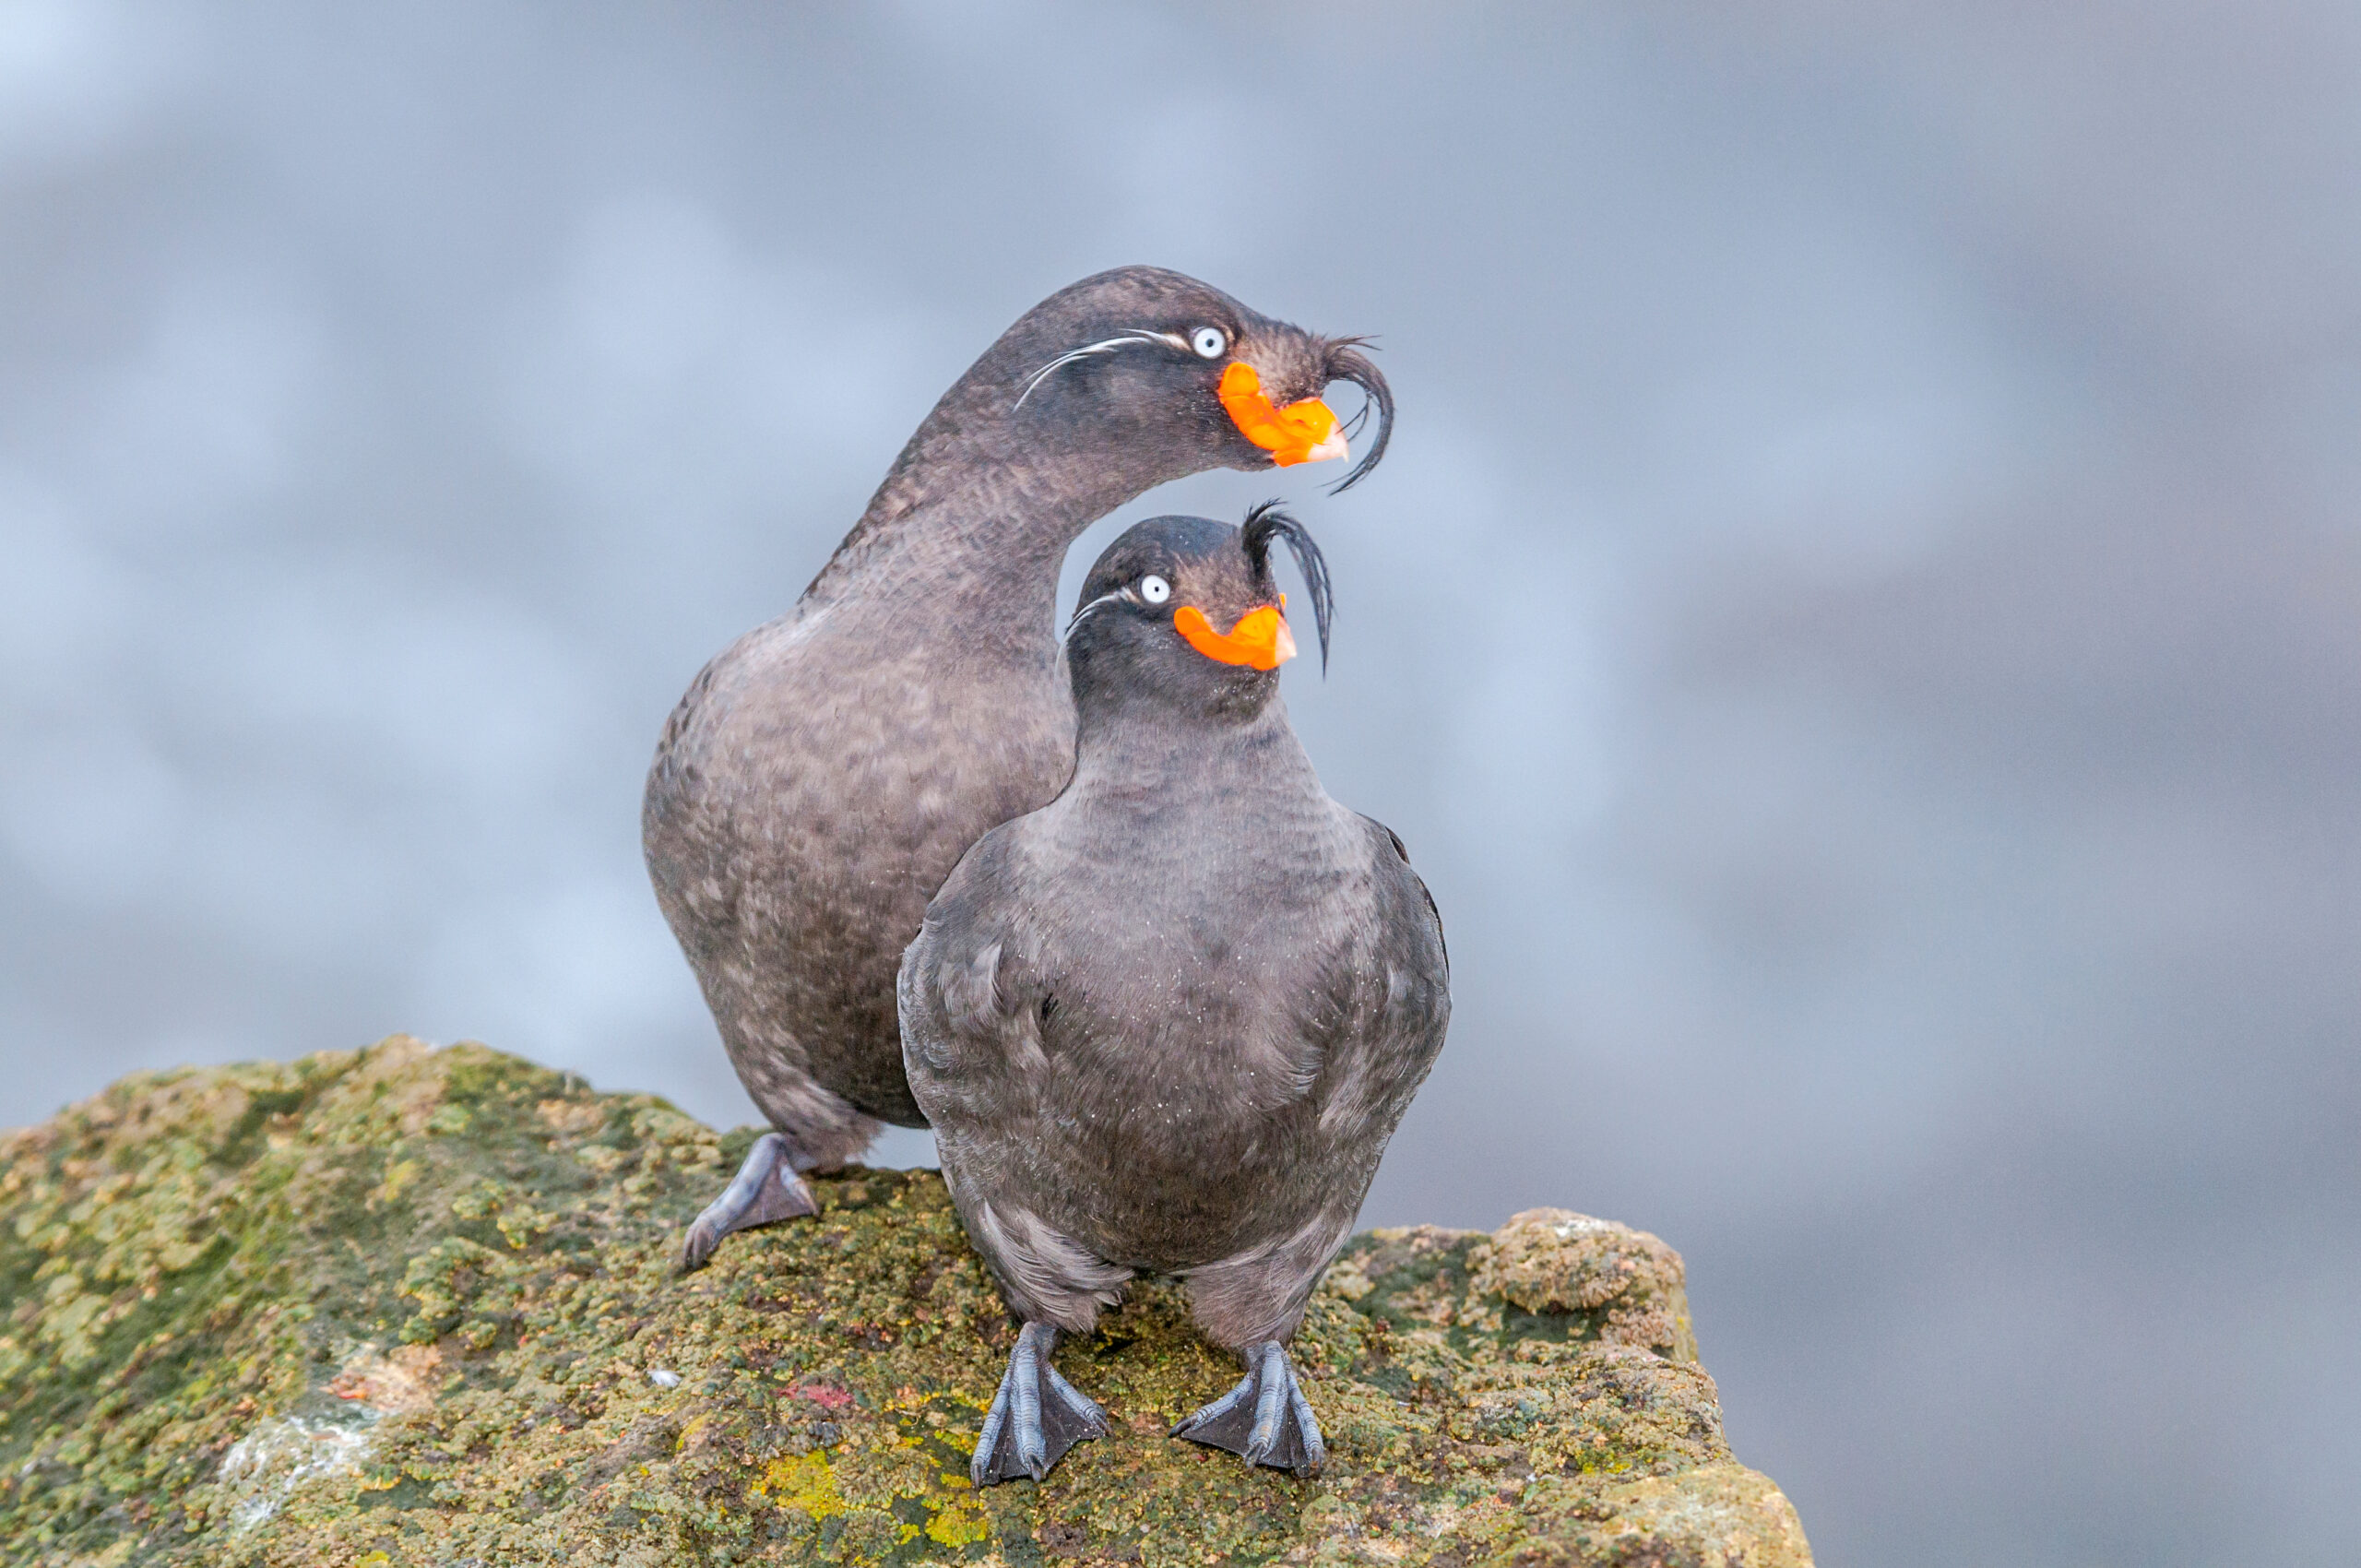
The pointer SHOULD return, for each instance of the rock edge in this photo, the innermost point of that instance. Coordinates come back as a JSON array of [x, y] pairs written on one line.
[[410, 1306]]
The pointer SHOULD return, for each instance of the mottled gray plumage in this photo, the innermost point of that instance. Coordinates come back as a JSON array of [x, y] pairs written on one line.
[[825, 773], [1168, 1022]]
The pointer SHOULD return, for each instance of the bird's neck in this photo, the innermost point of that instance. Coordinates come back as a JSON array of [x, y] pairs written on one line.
[[1143, 754], [974, 522]]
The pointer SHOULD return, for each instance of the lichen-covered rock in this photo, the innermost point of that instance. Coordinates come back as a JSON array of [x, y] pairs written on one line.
[[400, 1306], [1550, 1259]]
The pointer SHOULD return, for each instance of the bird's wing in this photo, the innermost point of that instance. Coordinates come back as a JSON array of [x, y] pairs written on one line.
[[972, 1002], [1402, 854], [969, 993], [1396, 878], [1387, 989]]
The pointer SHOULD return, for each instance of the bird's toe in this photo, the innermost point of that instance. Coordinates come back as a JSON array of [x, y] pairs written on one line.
[[1264, 1420], [766, 1189], [1036, 1416]]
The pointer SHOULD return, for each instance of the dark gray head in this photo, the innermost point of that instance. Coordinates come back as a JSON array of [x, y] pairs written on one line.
[[1179, 376], [1182, 614]]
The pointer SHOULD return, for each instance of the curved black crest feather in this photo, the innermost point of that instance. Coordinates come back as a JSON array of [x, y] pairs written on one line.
[[1265, 523], [1345, 361]]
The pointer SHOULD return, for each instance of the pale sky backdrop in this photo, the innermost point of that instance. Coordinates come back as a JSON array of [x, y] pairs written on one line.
[[1861, 626]]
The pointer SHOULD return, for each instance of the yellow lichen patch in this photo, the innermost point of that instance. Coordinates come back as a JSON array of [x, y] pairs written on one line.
[[520, 1225], [961, 1524], [479, 1202], [801, 1480], [692, 1430], [74, 1323], [400, 1175], [518, 1222], [606, 1162], [449, 1121]]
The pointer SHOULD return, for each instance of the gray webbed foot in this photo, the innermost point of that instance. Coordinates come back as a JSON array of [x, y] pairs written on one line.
[[767, 1188], [1036, 1416], [1265, 1417]]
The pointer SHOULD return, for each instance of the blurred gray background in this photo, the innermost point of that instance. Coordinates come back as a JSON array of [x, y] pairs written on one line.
[[1861, 628]]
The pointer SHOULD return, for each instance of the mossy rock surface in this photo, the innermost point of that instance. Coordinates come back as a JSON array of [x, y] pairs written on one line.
[[407, 1306]]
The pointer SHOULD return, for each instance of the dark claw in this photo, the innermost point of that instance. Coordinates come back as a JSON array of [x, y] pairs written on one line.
[[1035, 1418], [765, 1189], [1265, 1417]]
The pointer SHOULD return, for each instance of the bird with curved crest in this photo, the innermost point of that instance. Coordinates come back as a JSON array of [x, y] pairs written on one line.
[[824, 772], [1168, 1022]]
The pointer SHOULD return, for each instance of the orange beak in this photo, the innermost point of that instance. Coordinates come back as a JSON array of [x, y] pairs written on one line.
[[1300, 433], [1260, 640]]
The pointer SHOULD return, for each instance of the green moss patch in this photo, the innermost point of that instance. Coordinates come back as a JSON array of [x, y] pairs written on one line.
[[409, 1306]]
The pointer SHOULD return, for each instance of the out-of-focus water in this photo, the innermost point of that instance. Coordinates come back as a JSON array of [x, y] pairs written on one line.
[[1861, 626]]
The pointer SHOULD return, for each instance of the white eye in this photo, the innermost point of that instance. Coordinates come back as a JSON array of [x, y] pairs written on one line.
[[1154, 590], [1209, 341]]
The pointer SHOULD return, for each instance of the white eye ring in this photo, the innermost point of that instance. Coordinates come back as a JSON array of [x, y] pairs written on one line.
[[1154, 590], [1209, 341]]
